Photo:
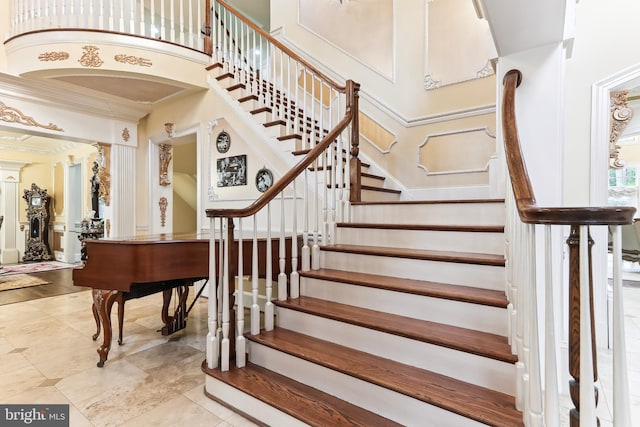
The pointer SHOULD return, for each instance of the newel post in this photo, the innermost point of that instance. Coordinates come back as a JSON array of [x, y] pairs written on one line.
[[574, 321], [355, 165]]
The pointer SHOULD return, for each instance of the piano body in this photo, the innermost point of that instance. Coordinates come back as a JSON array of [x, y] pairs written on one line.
[[119, 270]]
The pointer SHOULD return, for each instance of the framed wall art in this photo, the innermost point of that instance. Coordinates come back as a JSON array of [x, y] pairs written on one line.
[[232, 171]]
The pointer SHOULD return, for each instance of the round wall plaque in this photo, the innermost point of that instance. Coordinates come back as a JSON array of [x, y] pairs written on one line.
[[223, 142], [264, 180]]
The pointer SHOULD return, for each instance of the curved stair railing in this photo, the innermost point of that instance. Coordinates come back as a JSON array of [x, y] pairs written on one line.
[[540, 403], [319, 118]]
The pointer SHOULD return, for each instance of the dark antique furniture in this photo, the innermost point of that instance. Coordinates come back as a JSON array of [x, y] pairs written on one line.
[[119, 270], [37, 245]]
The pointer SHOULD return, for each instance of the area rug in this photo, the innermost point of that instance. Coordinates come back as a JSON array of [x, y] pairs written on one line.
[[33, 267], [17, 281]]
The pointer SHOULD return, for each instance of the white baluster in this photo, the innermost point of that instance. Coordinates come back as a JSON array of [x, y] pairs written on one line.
[[181, 4], [282, 277], [551, 396], [143, 29], [269, 307], [241, 349], [621, 408], [534, 369], [121, 21], [587, 393], [111, 15], [255, 308], [212, 336], [163, 28], [153, 31], [225, 347], [132, 18], [295, 276], [172, 22]]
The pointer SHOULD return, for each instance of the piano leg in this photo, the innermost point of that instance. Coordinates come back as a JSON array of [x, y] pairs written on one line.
[[120, 320], [179, 319], [102, 303], [97, 319]]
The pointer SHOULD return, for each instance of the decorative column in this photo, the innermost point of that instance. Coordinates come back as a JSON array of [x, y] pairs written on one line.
[[9, 204], [123, 191]]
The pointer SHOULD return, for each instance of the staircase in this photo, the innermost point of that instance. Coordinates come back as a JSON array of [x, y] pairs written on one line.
[[274, 110], [405, 323]]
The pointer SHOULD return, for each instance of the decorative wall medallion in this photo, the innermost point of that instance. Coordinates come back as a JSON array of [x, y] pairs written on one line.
[[133, 60], [429, 83], [170, 129], [125, 135], [621, 114], [53, 56], [13, 115], [264, 180], [90, 57], [165, 159], [223, 142], [163, 203]]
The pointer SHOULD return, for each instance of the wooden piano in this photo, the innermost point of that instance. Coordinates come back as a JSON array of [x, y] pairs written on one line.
[[119, 270]]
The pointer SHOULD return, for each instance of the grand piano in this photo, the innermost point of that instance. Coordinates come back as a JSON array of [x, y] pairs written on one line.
[[119, 270]]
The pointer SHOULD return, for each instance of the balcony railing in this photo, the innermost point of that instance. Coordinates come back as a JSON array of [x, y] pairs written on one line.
[[182, 22]]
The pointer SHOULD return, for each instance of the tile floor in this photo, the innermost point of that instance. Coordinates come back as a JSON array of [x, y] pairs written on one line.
[[48, 357]]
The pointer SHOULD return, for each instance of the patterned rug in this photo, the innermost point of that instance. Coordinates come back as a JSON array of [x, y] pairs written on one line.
[[33, 267], [17, 281]]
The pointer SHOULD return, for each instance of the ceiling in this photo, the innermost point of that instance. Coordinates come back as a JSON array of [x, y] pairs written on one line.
[[12, 141]]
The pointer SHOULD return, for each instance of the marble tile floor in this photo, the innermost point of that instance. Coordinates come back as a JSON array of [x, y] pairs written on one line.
[[48, 357]]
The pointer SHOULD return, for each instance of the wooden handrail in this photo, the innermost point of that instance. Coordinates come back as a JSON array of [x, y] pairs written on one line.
[[528, 210], [284, 48]]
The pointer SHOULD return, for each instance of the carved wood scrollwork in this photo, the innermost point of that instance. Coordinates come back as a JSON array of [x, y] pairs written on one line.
[[165, 159], [621, 114]]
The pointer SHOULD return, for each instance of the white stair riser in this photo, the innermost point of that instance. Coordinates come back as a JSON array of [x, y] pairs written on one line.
[[244, 403], [250, 105], [478, 317], [471, 368], [457, 241], [387, 403], [378, 196], [480, 276], [373, 182], [442, 213], [276, 130]]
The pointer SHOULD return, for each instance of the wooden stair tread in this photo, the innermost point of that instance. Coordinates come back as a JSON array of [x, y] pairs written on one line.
[[384, 190], [467, 340], [298, 400], [469, 400], [461, 293], [424, 227], [424, 254]]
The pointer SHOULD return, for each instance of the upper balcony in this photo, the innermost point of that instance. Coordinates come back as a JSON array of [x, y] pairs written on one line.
[[137, 52]]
